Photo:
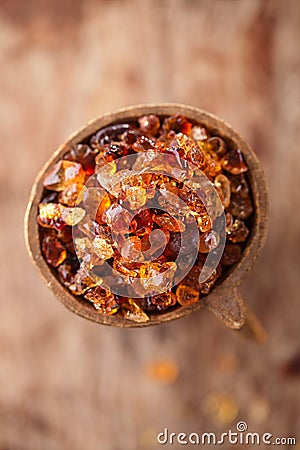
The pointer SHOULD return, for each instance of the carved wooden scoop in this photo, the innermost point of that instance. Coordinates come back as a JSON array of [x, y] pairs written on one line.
[[224, 301]]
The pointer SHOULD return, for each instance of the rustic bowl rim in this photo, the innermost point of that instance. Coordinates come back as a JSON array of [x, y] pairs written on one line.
[[235, 276]]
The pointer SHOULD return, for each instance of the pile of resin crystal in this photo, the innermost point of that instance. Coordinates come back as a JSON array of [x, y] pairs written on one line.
[[63, 213]]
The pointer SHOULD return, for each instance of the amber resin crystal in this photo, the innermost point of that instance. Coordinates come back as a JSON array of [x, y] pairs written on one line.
[[112, 232], [95, 215]]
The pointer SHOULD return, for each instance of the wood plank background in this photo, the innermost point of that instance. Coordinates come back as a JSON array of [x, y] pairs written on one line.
[[69, 384]]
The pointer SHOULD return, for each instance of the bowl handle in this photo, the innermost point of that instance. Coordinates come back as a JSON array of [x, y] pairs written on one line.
[[231, 309]]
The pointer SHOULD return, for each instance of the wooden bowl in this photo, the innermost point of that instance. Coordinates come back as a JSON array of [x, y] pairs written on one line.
[[224, 300]]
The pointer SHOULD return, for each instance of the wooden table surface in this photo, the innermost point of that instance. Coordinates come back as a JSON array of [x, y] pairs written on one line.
[[66, 383]]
